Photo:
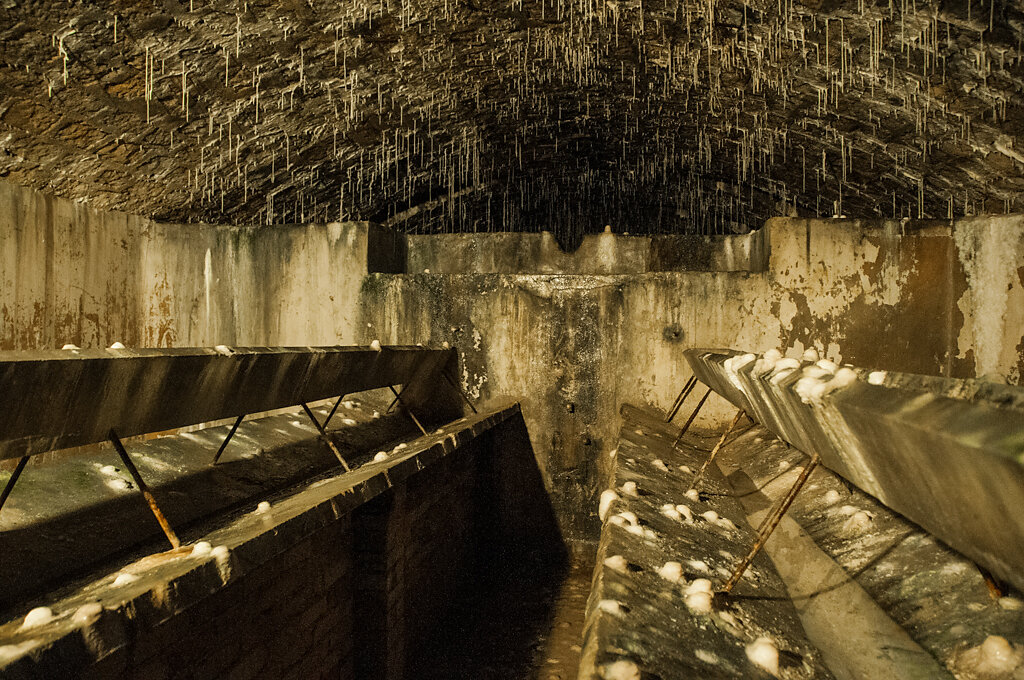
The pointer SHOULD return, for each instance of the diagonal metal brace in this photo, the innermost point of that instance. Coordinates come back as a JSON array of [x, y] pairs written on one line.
[[768, 527], [9, 487], [714, 452], [689, 421], [691, 382], [141, 483], [231, 433], [398, 398], [323, 435], [334, 408], [458, 388]]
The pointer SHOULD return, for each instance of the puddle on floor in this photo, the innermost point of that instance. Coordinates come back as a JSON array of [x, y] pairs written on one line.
[[524, 623]]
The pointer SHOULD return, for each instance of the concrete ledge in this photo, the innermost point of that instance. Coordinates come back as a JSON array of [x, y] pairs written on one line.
[[598, 254], [637, 616], [948, 454], [122, 620]]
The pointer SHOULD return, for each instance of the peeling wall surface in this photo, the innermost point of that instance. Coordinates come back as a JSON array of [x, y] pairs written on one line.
[[932, 297]]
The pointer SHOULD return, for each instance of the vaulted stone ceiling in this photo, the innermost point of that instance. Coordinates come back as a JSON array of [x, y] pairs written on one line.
[[650, 115]]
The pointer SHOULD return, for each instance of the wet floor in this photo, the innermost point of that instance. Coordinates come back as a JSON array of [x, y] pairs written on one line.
[[523, 622]]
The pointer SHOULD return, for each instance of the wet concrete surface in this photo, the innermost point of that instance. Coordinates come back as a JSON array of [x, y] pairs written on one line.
[[523, 619], [662, 544]]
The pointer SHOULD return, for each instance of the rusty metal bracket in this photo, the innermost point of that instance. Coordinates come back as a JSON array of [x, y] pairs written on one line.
[[714, 452], [768, 525], [458, 388], [141, 483], [691, 382], [231, 433], [323, 435], [398, 398], [689, 421], [9, 487]]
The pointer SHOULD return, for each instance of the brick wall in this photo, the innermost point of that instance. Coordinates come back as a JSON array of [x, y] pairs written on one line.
[[414, 545], [355, 595]]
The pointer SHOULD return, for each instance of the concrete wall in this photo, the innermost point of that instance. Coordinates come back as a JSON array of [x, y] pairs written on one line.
[[607, 253], [933, 298], [937, 298], [69, 273], [572, 348], [528, 320]]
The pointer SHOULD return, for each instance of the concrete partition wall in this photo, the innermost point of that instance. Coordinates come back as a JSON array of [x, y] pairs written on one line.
[[71, 274], [571, 348], [937, 298]]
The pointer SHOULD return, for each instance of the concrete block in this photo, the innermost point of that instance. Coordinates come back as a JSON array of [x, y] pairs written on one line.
[[948, 454]]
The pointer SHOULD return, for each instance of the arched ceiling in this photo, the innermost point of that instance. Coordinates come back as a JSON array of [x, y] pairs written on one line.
[[650, 115]]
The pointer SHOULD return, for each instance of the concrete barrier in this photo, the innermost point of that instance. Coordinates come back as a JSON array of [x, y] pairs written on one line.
[[947, 454]]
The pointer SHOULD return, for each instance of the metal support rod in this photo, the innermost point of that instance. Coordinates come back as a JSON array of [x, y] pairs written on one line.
[[9, 487], [690, 420], [778, 510], [134, 471], [231, 433], [691, 382], [763, 536], [407, 409], [323, 435], [772, 516], [333, 409], [459, 390], [393, 402], [714, 452]]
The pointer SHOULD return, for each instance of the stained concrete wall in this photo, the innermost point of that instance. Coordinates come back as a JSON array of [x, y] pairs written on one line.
[[572, 348], [932, 297], [69, 273], [927, 297], [607, 253]]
